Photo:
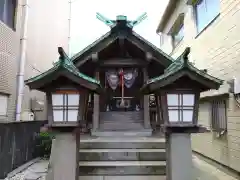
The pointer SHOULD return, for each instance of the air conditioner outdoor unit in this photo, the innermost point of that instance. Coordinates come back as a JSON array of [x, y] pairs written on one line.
[[27, 116]]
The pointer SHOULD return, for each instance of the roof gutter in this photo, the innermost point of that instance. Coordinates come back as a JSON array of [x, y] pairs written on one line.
[[167, 13]]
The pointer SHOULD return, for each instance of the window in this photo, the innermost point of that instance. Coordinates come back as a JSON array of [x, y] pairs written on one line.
[[206, 11], [178, 36], [218, 115], [3, 105], [65, 107], [7, 12], [180, 107]]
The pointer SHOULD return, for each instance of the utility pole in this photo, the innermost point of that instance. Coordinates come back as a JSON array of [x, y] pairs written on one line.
[[69, 27]]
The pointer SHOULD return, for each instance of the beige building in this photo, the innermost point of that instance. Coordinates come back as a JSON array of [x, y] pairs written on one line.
[[211, 28], [47, 28]]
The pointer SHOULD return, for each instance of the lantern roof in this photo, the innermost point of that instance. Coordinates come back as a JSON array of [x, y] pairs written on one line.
[[63, 67], [179, 68]]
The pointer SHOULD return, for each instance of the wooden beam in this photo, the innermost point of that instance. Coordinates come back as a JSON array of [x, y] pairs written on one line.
[[121, 41], [123, 62]]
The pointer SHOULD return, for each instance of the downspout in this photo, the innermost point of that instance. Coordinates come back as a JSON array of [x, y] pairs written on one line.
[[22, 60]]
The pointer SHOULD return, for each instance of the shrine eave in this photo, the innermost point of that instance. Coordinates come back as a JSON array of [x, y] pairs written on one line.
[[63, 68], [178, 69], [131, 36]]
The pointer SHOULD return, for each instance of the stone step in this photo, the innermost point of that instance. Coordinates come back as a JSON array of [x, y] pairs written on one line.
[[122, 112], [122, 168], [121, 120], [123, 133], [87, 142], [122, 177], [123, 123], [122, 155], [121, 116], [119, 126]]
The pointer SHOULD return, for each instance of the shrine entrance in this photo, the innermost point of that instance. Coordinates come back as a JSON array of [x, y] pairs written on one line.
[[122, 87]]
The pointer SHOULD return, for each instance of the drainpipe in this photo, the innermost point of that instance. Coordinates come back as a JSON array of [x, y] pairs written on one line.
[[22, 60]]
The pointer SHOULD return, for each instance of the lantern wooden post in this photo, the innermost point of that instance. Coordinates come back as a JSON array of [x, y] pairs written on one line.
[[179, 91]]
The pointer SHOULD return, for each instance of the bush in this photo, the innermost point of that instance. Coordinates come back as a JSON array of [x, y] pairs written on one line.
[[44, 144]]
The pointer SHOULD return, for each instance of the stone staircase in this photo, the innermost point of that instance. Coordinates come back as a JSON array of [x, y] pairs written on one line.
[[130, 158], [115, 123]]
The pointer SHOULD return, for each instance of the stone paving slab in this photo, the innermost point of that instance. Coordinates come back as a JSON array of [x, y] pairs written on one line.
[[201, 171], [36, 171], [205, 171]]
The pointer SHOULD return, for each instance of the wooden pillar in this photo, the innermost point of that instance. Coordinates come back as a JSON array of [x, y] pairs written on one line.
[[146, 103], [159, 118], [96, 108]]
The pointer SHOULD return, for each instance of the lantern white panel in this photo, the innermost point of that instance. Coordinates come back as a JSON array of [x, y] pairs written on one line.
[[188, 99], [187, 116], [72, 115], [172, 99], [173, 115], [73, 99], [58, 115], [57, 99]]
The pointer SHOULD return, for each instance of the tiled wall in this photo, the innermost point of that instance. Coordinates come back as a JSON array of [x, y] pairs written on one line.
[[47, 29], [217, 49]]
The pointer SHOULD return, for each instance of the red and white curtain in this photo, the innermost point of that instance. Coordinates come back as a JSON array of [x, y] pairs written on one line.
[[114, 77]]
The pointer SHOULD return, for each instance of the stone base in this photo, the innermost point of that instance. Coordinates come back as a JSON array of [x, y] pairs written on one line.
[[135, 133]]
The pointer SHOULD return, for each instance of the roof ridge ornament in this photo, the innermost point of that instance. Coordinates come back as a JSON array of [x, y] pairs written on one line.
[[138, 20], [112, 23], [185, 55], [107, 21]]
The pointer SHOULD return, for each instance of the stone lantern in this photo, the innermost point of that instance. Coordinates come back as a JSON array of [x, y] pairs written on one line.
[[178, 91], [67, 91]]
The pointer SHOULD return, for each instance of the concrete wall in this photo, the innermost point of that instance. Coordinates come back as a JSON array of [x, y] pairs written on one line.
[[47, 29], [217, 49]]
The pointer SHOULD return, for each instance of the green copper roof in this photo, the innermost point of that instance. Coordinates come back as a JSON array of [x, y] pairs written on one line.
[[182, 63], [66, 63], [126, 33]]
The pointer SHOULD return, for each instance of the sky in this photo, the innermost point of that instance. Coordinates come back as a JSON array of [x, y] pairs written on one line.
[[86, 28]]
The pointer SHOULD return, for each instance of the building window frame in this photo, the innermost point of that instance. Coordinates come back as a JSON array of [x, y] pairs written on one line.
[[177, 31], [8, 12], [178, 36], [4, 104], [203, 16], [218, 115]]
